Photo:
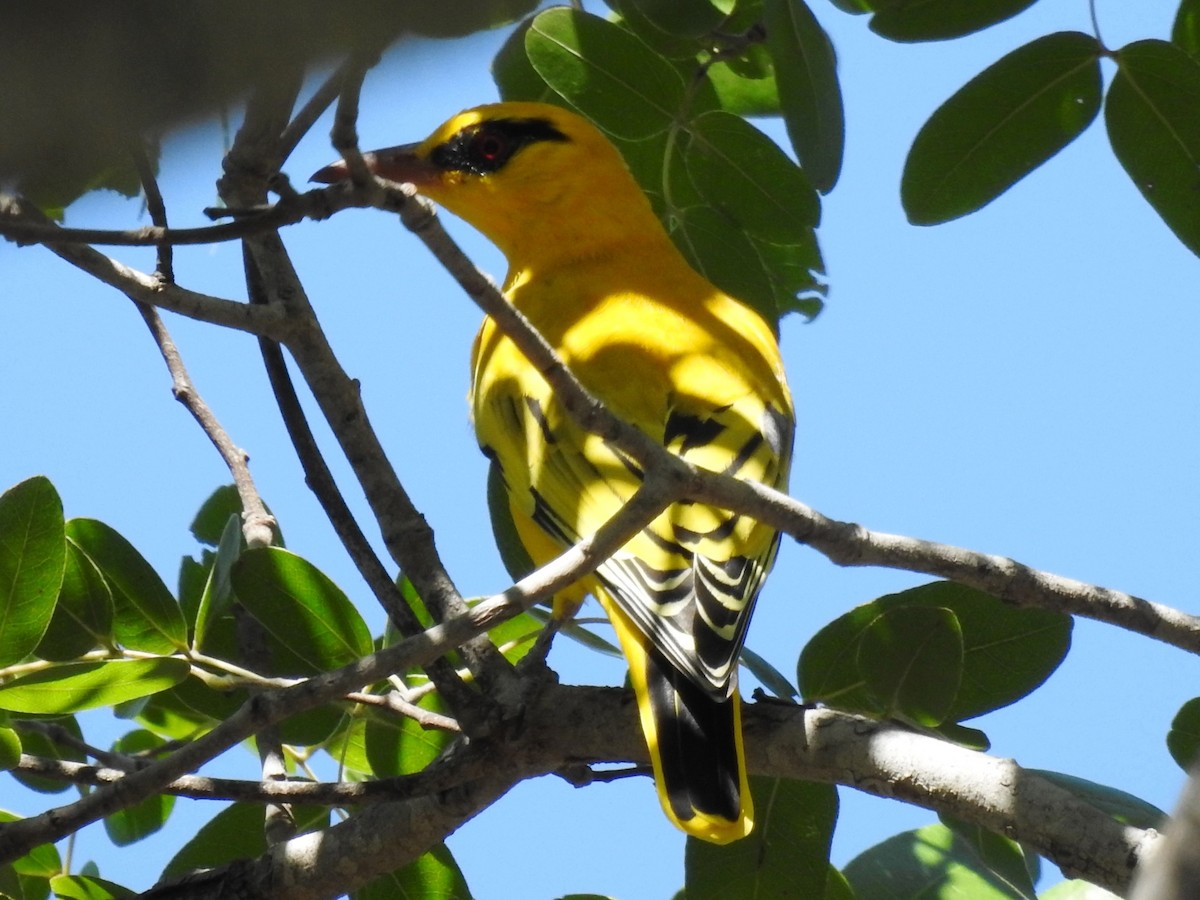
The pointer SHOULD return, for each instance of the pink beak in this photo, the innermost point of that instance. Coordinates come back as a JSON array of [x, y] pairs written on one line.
[[393, 163]]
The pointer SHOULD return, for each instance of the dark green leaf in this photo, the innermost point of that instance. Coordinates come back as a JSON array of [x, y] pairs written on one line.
[[1183, 740], [33, 550], [1007, 652], [217, 597], [994, 853], [1155, 132], [685, 18], [911, 658], [1000, 126], [930, 862], [132, 824], [771, 678], [432, 875], [298, 604], [10, 748], [786, 855], [210, 522], [83, 616], [146, 617], [236, 832], [937, 20], [512, 552], [39, 743], [1122, 806], [71, 687], [312, 727], [604, 72], [743, 174], [806, 75], [1186, 30], [187, 710], [84, 887]]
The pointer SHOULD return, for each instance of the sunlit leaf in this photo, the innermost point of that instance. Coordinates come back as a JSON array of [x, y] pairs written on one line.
[[1007, 652], [85, 887], [33, 551], [995, 853], [929, 862], [786, 855], [10, 747], [1155, 133], [434, 874], [911, 658], [146, 616], [301, 607], [83, 616], [1002, 125], [71, 687]]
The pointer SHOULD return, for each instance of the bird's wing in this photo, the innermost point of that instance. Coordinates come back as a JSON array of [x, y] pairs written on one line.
[[688, 581]]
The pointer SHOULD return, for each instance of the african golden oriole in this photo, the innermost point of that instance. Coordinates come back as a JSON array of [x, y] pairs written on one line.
[[594, 270]]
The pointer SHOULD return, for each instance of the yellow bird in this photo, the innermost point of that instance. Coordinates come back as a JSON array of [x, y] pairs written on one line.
[[593, 268]]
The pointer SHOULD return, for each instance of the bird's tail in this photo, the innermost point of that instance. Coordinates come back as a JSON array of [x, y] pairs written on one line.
[[695, 742]]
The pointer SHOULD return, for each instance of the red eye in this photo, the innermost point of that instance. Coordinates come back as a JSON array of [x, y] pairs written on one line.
[[490, 147]]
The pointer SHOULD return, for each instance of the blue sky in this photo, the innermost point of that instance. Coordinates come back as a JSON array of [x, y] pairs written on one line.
[[1020, 381]]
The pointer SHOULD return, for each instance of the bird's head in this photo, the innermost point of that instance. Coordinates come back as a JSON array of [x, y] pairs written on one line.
[[525, 174]]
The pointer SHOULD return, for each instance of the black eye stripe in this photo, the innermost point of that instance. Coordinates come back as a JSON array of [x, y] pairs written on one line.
[[484, 148]]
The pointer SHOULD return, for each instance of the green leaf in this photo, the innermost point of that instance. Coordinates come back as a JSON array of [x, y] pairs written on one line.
[[512, 552], [348, 746], [1155, 133], [911, 658], [1183, 740], [1186, 30], [83, 616], [1077, 890], [1120, 805], [236, 832], [806, 75], [71, 687], [771, 678], [213, 516], [837, 887], [686, 18], [994, 853], [432, 875], [1000, 126], [217, 597], [132, 824], [301, 607], [604, 72], [84, 887], [42, 861], [38, 743], [33, 551], [742, 173], [1007, 652], [743, 95], [786, 855], [10, 747], [397, 745], [576, 631], [929, 862], [146, 617], [938, 20]]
